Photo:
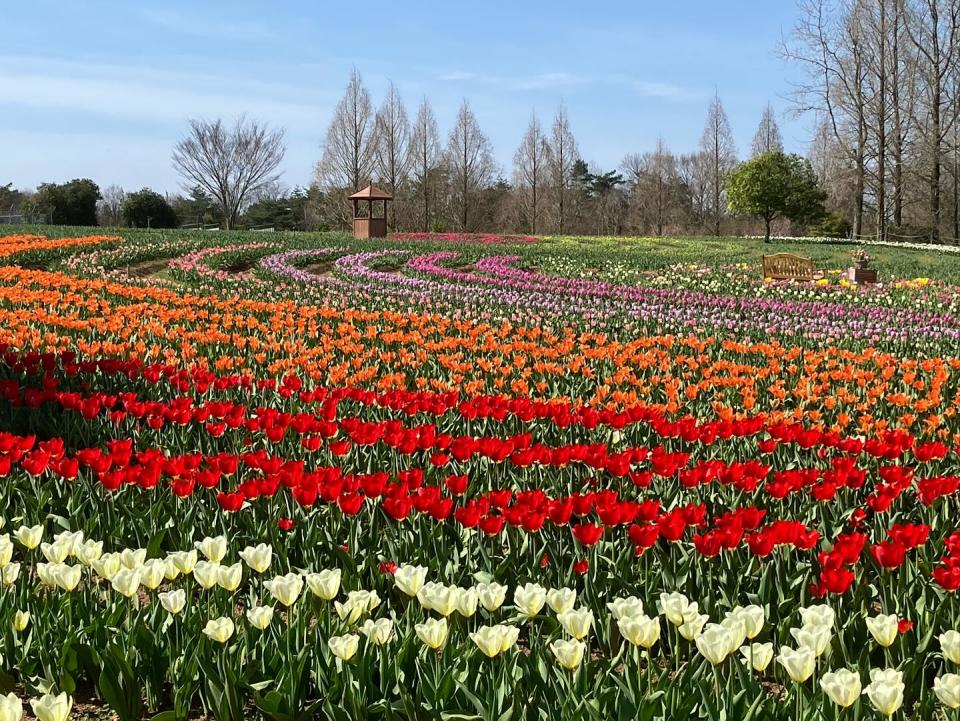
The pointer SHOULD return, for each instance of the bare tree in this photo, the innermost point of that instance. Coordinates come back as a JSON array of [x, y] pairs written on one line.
[[531, 162], [348, 151], [934, 29], [230, 164], [108, 207], [654, 184], [392, 139], [561, 163], [720, 156], [471, 163], [424, 158], [768, 137]]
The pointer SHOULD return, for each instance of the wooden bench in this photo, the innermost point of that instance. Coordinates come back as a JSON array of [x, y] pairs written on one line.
[[787, 266]]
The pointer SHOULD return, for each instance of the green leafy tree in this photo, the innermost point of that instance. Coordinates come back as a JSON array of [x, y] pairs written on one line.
[[147, 209], [73, 203], [775, 185]]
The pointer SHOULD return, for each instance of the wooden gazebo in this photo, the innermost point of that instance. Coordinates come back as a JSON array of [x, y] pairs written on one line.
[[369, 226]]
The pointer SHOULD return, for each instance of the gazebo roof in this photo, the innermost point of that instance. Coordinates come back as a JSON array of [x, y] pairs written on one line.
[[371, 193]]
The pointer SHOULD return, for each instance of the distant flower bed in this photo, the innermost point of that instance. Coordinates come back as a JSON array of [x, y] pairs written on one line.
[[480, 238]]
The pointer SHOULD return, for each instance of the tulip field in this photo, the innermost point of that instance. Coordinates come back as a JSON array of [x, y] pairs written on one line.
[[452, 477]]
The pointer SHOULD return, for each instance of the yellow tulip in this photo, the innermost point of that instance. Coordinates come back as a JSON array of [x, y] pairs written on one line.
[[11, 709], [714, 643], [344, 647], [66, 577], [947, 689], [260, 616], [675, 606], [206, 574], [758, 655], [126, 582], [491, 595], [843, 687], [439, 598], [286, 589], [21, 619], [576, 623], [494, 640], [753, 618], [55, 552], [215, 549], [152, 573], [433, 632], [229, 577], [377, 632], [219, 629], [529, 598], [640, 630], [816, 638], [89, 551], [799, 663], [185, 561], [9, 574], [410, 579], [52, 708], [173, 601], [569, 654], [107, 565], [630, 607], [818, 615], [133, 557], [884, 628], [950, 645], [29, 536], [561, 600], [885, 690], [258, 557], [6, 550], [467, 599], [325, 584]]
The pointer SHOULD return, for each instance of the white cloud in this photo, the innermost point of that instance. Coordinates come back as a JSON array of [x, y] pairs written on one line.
[[140, 93]]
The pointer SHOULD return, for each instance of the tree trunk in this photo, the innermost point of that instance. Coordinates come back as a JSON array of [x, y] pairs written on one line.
[[766, 238]]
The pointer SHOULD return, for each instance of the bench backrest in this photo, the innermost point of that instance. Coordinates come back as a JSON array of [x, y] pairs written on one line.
[[787, 266]]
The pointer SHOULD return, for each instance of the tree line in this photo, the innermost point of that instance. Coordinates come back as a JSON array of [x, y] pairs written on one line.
[[882, 79]]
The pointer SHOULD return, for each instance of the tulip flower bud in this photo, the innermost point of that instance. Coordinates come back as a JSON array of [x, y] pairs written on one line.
[[816, 638], [126, 582], [229, 577], [29, 536], [843, 687], [714, 643], [947, 689], [11, 709], [286, 589], [325, 584], [885, 690], [52, 708], [260, 616], [626, 607], [561, 600], [219, 629], [215, 549], [107, 565], [693, 623], [206, 573], [467, 599], [675, 606], [758, 655], [9, 574], [529, 598], [377, 632], [569, 654], [576, 623], [152, 573], [820, 615], [410, 579], [494, 640], [344, 647], [185, 561], [173, 601], [753, 618], [491, 595], [133, 557], [639, 630], [258, 557], [55, 552], [6, 550], [21, 619], [884, 628], [432, 632], [950, 645], [89, 552], [799, 663]]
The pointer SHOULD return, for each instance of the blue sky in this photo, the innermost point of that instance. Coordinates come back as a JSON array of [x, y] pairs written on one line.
[[103, 88]]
